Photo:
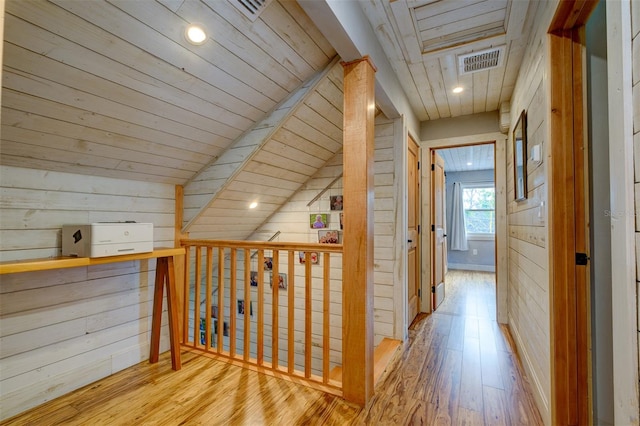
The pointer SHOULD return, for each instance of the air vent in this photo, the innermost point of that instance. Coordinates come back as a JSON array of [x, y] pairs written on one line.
[[480, 61], [250, 8]]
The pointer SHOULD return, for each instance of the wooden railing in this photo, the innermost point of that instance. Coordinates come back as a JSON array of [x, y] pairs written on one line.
[[273, 306]]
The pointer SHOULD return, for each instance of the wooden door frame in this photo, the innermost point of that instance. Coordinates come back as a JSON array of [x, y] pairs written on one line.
[[570, 403], [499, 140], [569, 291], [408, 136], [432, 232]]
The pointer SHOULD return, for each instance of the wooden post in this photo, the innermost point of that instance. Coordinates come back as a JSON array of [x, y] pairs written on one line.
[[357, 259]]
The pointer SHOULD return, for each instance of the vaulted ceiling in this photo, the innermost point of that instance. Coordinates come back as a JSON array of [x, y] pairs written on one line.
[[113, 88]]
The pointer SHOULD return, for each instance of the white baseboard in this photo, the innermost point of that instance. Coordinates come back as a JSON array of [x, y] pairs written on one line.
[[538, 392], [472, 267]]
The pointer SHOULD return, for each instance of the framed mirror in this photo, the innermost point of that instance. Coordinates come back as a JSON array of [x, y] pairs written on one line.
[[520, 157]]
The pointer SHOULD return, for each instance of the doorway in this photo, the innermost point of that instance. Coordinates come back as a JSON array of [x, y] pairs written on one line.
[[600, 224], [413, 231], [469, 214], [497, 182], [470, 207]]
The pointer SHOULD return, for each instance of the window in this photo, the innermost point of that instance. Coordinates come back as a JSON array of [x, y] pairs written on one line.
[[479, 209]]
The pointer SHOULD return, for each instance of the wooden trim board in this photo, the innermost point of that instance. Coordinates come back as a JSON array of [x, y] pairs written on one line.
[[32, 265], [569, 298], [382, 357]]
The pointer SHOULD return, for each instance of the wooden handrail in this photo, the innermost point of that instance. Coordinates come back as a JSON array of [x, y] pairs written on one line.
[[265, 245], [247, 341]]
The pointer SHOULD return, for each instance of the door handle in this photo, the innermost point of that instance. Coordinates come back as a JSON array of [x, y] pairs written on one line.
[[409, 241]]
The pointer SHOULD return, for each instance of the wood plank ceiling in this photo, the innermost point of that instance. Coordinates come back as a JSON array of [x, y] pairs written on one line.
[[112, 88], [425, 40], [468, 158]]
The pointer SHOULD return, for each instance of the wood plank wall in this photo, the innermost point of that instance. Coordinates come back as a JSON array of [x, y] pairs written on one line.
[[292, 220], [63, 329], [528, 230], [635, 31]]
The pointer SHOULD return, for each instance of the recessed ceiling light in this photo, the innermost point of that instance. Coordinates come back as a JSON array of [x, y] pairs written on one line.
[[458, 89], [469, 163], [253, 205], [195, 34]]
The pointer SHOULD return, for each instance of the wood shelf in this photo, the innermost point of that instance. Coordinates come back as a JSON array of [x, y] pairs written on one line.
[[165, 275], [32, 265]]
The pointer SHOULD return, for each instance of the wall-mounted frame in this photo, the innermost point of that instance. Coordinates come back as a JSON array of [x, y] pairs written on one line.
[[520, 157], [282, 281], [330, 236], [318, 220], [336, 202]]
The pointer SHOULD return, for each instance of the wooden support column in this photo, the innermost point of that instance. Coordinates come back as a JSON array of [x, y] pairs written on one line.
[[357, 259]]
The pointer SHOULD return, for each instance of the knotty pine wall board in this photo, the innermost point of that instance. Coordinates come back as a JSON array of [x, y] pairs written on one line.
[[62, 329], [292, 220], [528, 296]]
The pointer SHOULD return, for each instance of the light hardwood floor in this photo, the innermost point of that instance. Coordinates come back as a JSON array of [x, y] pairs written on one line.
[[457, 367]]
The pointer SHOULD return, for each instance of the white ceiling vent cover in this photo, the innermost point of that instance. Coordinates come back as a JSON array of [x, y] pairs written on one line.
[[480, 61], [250, 8]]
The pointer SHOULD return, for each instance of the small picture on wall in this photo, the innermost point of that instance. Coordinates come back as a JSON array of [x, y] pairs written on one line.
[[242, 307], [336, 202], [225, 328], [202, 331], [314, 257], [282, 281], [253, 280], [318, 220], [329, 236], [268, 263]]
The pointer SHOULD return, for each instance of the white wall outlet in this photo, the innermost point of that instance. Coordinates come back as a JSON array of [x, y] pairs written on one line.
[[536, 155], [475, 252]]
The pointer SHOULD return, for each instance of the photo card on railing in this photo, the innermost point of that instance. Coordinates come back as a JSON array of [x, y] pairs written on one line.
[[253, 278]]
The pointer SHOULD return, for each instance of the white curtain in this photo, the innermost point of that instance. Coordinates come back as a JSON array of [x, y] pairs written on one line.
[[458, 237]]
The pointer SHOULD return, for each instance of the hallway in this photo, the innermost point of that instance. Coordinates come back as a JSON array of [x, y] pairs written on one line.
[[458, 367]]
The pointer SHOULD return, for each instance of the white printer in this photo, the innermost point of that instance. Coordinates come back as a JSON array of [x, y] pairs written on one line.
[[107, 239]]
